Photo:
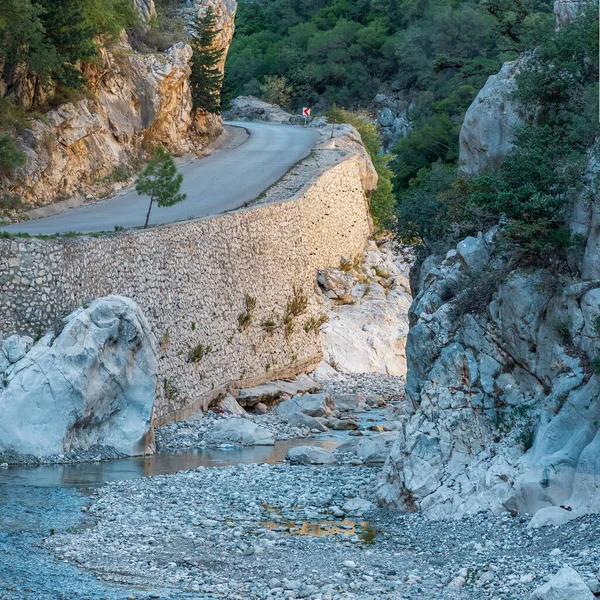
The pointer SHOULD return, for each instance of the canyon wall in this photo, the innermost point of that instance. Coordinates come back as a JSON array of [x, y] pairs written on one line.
[[503, 384], [136, 103], [216, 291]]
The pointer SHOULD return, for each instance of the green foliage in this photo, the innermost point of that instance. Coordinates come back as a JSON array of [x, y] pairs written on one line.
[[526, 437], [530, 189], [275, 90], [382, 199], [297, 303], [206, 79], [595, 364], [10, 202], [48, 40], [161, 181], [245, 318], [197, 353], [313, 324], [10, 156]]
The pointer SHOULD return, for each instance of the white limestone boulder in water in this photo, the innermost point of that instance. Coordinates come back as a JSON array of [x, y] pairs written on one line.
[[310, 455], [94, 384], [240, 431]]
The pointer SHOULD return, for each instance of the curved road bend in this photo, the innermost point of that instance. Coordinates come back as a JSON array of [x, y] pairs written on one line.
[[222, 181]]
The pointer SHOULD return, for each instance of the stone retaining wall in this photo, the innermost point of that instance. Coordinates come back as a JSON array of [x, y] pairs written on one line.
[[192, 279]]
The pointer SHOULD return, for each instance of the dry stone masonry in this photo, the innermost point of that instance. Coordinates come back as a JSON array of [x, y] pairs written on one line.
[[229, 298]]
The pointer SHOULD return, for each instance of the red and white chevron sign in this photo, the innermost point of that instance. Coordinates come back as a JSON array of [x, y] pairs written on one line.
[[306, 111]]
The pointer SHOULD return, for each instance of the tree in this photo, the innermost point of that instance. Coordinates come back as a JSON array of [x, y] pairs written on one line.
[[161, 181], [206, 78], [275, 90]]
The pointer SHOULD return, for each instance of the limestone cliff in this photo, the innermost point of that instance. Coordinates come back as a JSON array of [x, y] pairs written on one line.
[[137, 102], [503, 391], [490, 124]]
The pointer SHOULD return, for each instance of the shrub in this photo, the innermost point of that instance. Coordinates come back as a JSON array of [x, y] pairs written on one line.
[[245, 318], [275, 90], [10, 202], [382, 199], [10, 156], [313, 324], [197, 353], [269, 324], [297, 304]]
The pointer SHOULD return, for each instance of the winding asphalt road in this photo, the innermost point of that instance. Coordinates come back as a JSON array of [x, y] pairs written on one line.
[[223, 181]]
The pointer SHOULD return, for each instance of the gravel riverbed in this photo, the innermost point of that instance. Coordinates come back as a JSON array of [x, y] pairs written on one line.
[[282, 531]]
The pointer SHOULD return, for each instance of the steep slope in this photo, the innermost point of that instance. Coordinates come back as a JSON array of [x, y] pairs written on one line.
[[502, 359], [137, 102]]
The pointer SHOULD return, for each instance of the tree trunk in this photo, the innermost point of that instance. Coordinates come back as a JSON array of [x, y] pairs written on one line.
[[148, 215]]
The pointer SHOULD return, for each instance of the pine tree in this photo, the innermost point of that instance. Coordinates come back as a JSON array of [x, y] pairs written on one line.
[[161, 181], [206, 78]]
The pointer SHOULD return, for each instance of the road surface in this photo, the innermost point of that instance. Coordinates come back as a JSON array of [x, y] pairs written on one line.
[[215, 184]]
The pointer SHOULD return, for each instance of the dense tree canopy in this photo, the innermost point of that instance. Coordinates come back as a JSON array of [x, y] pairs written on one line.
[[531, 188]]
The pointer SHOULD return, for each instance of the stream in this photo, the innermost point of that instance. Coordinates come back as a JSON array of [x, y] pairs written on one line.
[[36, 502]]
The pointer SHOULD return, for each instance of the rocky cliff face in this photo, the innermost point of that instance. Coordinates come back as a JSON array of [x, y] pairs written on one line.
[[368, 305], [507, 409], [139, 102], [503, 395], [491, 122]]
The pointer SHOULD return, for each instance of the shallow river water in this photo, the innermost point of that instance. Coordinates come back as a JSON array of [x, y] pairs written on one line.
[[36, 502]]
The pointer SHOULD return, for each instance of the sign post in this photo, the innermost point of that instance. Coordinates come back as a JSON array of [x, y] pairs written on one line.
[[306, 114]]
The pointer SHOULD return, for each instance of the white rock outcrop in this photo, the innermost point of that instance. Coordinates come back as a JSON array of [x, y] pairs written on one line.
[[92, 384], [494, 117], [493, 372], [368, 319], [491, 122], [146, 9]]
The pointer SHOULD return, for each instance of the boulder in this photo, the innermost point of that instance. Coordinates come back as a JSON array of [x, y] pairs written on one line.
[[310, 455], [249, 108], [313, 405], [565, 585], [375, 400], [335, 283], [342, 424], [386, 117], [230, 405], [240, 431], [260, 408], [290, 411], [94, 384], [473, 253], [348, 402], [272, 391]]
